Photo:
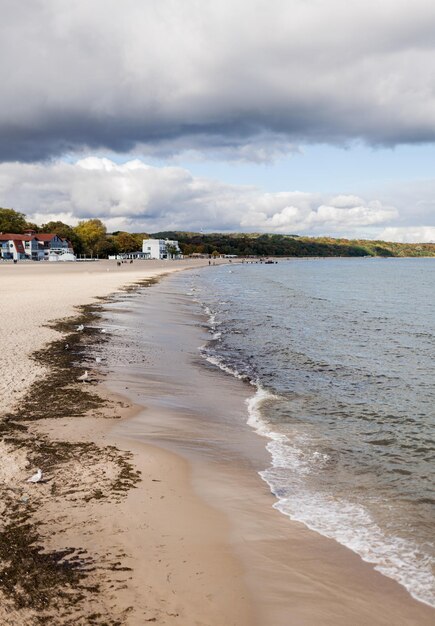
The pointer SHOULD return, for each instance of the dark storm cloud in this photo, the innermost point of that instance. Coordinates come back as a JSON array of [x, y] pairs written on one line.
[[249, 79]]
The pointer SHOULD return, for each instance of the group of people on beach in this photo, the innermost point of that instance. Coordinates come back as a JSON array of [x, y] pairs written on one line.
[[118, 263]]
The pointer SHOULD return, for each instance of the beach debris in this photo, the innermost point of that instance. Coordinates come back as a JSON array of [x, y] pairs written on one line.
[[103, 330], [84, 377], [36, 478], [98, 359], [80, 327]]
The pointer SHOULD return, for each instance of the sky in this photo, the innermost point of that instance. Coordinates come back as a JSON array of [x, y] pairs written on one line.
[[310, 117]]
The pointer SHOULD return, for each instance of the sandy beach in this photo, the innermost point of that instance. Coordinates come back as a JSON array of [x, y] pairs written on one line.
[[33, 295], [134, 523]]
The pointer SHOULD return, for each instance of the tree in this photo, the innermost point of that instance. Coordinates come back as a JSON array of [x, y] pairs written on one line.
[[12, 222], [172, 251], [32, 226], [106, 246], [187, 248], [93, 235], [126, 242], [66, 232]]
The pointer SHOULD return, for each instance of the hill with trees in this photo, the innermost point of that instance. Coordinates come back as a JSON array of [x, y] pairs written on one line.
[[291, 245]]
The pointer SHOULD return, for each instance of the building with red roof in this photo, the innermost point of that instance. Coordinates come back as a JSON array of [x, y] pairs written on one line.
[[32, 246]]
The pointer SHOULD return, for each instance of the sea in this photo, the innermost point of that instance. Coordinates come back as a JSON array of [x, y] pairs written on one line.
[[341, 353], [336, 360]]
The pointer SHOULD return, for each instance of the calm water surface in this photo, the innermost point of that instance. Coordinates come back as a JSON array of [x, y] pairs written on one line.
[[341, 353]]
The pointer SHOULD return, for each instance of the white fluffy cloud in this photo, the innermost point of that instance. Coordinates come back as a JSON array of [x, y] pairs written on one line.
[[138, 197], [249, 78], [409, 234]]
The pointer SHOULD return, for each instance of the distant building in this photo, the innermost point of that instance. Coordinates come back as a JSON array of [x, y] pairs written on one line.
[[124, 256], [13, 246], [32, 246], [51, 243], [161, 248]]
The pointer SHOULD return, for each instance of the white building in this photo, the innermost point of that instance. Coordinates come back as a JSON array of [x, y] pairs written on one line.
[[161, 248]]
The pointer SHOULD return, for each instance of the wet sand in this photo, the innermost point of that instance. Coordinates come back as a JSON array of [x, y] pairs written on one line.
[[196, 540], [293, 575]]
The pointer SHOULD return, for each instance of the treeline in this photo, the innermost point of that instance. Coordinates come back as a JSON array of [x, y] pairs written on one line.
[[90, 237], [291, 245]]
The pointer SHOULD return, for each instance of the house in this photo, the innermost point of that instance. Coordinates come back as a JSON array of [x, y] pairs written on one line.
[[161, 248], [16, 246], [50, 243], [32, 246]]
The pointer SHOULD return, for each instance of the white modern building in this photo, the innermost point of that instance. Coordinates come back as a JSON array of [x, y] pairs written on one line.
[[161, 248]]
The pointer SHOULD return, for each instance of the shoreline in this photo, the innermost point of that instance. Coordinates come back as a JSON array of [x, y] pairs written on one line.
[[26, 312], [280, 556], [209, 577]]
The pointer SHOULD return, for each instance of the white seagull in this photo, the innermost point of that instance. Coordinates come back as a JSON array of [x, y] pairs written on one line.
[[103, 330], [80, 327], [84, 377], [36, 478], [98, 359]]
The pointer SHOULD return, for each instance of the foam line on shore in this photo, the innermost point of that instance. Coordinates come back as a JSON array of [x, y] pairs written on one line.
[[347, 523]]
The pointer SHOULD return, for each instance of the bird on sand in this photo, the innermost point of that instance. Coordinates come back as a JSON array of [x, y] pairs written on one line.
[[84, 377], [80, 327], [36, 478], [103, 330]]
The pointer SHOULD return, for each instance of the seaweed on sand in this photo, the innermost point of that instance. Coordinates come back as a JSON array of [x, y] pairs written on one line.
[[36, 579], [58, 395], [32, 577]]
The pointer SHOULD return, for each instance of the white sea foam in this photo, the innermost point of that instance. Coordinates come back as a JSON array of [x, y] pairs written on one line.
[[255, 419], [352, 526], [348, 523], [214, 360], [211, 318]]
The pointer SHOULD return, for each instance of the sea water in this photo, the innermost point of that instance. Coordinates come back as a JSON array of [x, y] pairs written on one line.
[[341, 356]]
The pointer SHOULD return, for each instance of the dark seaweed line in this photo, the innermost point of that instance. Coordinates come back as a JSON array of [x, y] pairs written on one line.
[[30, 576]]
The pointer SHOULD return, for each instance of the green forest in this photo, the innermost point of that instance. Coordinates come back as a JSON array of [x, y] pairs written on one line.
[[291, 245], [90, 237]]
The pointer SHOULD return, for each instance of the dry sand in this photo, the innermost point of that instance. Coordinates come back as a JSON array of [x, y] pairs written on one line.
[[163, 554]]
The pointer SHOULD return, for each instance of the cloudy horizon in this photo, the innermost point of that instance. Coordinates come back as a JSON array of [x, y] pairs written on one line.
[[297, 117]]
